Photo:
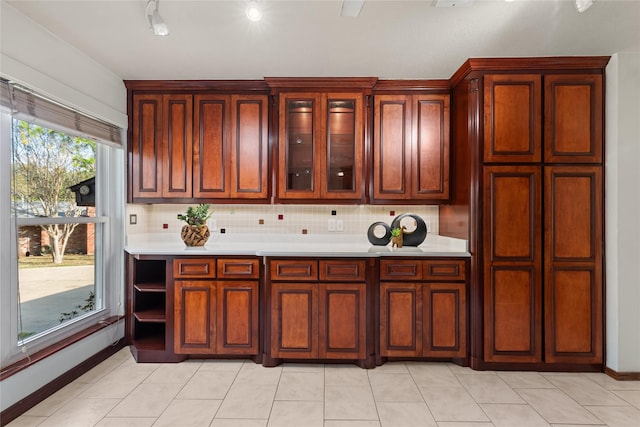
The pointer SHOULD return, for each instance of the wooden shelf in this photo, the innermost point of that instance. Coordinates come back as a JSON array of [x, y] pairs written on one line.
[[153, 342], [150, 287], [156, 315]]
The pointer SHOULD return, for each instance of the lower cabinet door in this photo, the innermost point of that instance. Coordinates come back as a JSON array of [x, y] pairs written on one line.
[[194, 316], [342, 321], [237, 317], [294, 320], [445, 320], [401, 319]]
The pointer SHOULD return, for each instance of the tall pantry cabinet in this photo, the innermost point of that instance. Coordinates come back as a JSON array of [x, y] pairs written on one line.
[[530, 132]]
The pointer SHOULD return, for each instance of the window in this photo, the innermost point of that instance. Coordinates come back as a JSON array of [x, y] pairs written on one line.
[[64, 196]]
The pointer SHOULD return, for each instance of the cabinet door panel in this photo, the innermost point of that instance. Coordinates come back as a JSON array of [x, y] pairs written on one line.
[[400, 319], [513, 322], [391, 169], [146, 146], [343, 160], [573, 264], [430, 162], [573, 214], [301, 141], [249, 143], [237, 317], [294, 320], [573, 319], [513, 118], [342, 321], [445, 320], [177, 146], [210, 176], [512, 223], [573, 118], [194, 317]]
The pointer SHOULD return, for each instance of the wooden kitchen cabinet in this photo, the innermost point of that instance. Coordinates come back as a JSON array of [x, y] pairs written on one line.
[[230, 147], [423, 308], [318, 310], [529, 134], [216, 308], [197, 143], [148, 321], [161, 146], [514, 118], [321, 146], [411, 148], [322, 128]]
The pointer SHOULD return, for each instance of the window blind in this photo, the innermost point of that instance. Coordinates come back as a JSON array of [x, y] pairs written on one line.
[[32, 107]]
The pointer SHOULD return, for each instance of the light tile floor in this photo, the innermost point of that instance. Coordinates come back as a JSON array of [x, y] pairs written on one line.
[[237, 393]]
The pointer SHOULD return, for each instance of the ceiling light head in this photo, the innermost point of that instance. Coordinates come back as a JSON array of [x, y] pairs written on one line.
[[156, 23], [583, 5], [253, 11]]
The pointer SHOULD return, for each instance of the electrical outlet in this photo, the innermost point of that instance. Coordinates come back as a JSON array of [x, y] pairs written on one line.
[[428, 224], [339, 225], [331, 225], [133, 219]]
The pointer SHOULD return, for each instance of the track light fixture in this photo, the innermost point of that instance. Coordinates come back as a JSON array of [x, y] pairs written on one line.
[[156, 23], [583, 5], [253, 11]]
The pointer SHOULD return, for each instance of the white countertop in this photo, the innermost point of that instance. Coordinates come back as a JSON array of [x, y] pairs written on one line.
[[272, 245]]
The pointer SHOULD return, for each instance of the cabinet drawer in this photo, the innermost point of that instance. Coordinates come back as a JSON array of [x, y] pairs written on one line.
[[238, 269], [294, 270], [401, 270], [194, 268], [342, 270], [444, 270]]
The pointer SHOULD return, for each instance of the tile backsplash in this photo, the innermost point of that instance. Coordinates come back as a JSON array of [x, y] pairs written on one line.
[[293, 219]]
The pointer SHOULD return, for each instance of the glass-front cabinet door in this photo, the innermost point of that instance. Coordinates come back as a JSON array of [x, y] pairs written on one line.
[[321, 146]]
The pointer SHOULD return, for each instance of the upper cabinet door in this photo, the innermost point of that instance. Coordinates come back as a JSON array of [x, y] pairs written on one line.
[[300, 144], [249, 165], [343, 156], [177, 146], [146, 146], [210, 147], [430, 151], [391, 147], [573, 118], [512, 118]]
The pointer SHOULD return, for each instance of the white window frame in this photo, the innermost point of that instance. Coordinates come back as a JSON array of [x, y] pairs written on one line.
[[110, 206]]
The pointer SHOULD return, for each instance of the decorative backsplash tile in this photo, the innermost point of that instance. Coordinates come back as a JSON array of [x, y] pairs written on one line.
[[290, 219]]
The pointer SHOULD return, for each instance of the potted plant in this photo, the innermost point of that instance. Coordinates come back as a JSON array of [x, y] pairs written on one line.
[[396, 236], [195, 232]]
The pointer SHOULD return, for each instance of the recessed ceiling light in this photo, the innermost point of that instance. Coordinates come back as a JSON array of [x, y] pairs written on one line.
[[253, 11]]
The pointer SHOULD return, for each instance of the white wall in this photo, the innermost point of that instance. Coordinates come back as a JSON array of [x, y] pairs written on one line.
[[32, 56], [622, 201]]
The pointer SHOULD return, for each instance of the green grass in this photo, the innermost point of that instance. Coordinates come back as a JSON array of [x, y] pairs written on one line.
[[47, 261]]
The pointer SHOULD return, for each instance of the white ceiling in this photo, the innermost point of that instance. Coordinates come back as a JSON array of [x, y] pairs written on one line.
[[390, 39]]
